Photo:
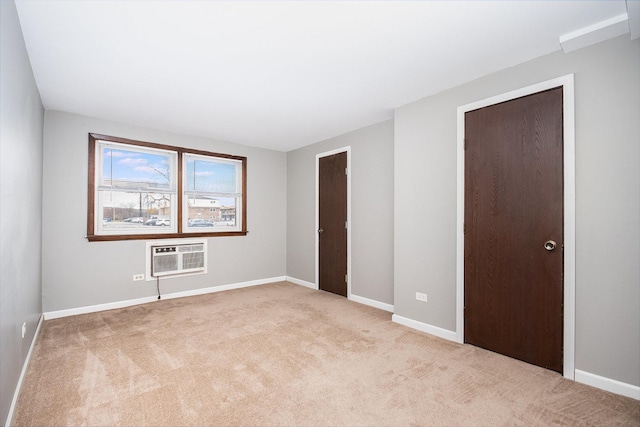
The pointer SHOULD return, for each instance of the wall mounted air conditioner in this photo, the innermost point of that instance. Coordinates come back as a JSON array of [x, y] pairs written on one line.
[[177, 259]]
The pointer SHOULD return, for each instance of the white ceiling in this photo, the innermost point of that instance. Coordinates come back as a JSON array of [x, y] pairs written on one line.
[[279, 75]]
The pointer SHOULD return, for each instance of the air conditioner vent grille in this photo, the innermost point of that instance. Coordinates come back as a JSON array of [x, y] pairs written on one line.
[[163, 264], [191, 248], [192, 260], [177, 259]]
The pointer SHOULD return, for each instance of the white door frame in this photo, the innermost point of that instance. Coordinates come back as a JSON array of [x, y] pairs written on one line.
[[567, 83], [346, 149]]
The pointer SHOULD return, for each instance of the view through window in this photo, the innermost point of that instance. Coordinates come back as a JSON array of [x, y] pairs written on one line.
[[142, 190]]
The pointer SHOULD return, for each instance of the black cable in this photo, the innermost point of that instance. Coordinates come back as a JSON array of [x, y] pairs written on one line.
[[158, 285]]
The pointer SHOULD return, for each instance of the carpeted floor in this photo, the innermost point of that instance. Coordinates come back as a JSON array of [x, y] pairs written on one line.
[[282, 354]]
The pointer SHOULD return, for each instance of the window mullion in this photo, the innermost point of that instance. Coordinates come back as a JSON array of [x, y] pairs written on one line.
[[180, 192]]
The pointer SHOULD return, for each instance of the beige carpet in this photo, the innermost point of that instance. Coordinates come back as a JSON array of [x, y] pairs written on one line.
[[282, 354]]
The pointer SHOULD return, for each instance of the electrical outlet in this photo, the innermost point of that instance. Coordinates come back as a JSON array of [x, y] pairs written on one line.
[[24, 329], [137, 277], [421, 297]]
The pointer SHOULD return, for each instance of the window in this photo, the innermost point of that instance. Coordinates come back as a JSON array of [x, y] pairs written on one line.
[[212, 194], [141, 190]]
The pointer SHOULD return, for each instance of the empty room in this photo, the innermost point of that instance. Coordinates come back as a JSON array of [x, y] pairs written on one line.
[[301, 213]]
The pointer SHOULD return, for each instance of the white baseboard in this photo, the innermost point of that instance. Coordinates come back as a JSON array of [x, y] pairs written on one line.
[[301, 282], [583, 377], [221, 288], [425, 327], [128, 303], [607, 384], [371, 302], [98, 307], [25, 366], [362, 300]]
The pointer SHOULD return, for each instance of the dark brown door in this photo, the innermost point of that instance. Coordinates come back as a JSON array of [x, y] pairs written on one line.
[[513, 285], [332, 231]]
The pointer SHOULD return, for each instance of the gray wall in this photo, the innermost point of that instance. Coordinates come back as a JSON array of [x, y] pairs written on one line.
[[607, 96], [21, 119], [77, 273], [371, 210], [388, 264]]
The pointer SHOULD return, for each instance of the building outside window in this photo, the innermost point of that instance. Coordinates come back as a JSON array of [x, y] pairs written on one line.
[[142, 190]]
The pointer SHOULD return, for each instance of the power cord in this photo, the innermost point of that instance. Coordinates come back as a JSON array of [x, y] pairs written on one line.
[[158, 285]]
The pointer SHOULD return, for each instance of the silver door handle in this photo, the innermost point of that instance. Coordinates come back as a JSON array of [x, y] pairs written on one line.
[[550, 245], [320, 230]]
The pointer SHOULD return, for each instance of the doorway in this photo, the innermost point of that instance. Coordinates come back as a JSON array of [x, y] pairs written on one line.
[[492, 248], [332, 225], [513, 228]]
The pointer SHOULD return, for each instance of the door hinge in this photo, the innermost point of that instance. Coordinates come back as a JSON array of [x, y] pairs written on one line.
[[346, 278], [464, 144], [346, 171], [346, 225]]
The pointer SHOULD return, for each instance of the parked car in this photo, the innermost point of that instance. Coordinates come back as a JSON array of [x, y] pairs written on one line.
[[135, 219], [200, 223], [151, 222], [162, 221]]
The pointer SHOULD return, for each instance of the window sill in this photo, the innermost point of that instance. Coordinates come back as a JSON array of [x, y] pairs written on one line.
[[116, 237]]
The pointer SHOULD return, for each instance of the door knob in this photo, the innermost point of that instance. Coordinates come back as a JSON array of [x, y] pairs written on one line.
[[550, 245], [320, 230]]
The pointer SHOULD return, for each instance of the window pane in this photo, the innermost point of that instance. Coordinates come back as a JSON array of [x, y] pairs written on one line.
[[122, 168], [137, 185], [212, 212], [138, 212], [211, 176]]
